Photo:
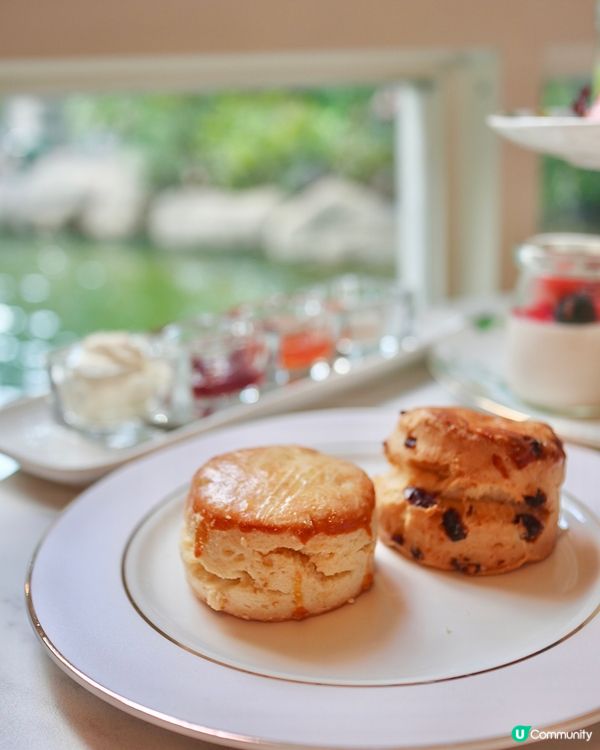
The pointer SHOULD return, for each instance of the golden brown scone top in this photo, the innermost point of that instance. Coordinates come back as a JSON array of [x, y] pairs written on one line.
[[283, 488], [461, 448]]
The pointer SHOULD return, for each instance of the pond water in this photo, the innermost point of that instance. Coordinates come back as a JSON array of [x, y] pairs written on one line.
[[56, 289]]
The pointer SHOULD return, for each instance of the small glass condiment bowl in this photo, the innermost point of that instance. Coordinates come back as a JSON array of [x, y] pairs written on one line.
[[224, 359], [374, 314], [108, 385], [302, 331]]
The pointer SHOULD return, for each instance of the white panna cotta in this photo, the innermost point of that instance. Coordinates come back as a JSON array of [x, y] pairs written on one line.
[[554, 365]]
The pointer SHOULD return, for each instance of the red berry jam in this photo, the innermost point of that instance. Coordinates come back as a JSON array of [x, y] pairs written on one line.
[[224, 376]]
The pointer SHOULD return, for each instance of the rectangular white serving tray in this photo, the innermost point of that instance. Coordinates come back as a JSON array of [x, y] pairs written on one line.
[[31, 436]]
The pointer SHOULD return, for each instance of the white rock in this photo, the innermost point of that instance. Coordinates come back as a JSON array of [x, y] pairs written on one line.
[[12, 203], [332, 221], [211, 219], [103, 195], [116, 200]]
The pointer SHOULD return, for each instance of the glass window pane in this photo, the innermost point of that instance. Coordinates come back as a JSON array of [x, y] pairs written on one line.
[[133, 210], [570, 198]]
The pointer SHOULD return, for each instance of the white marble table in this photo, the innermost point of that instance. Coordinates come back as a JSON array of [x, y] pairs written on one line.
[[43, 709]]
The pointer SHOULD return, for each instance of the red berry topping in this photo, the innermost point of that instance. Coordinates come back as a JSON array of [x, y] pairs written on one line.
[[553, 288], [542, 311], [575, 308], [582, 102]]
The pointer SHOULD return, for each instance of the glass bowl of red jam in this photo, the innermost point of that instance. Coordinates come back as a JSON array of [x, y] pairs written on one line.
[[374, 314], [224, 360], [553, 335]]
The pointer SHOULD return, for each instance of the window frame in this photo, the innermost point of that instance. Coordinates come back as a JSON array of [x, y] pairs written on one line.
[[448, 210]]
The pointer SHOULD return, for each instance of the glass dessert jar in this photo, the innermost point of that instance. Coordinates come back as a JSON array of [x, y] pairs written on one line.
[[302, 331], [374, 314], [224, 359], [553, 336], [109, 384]]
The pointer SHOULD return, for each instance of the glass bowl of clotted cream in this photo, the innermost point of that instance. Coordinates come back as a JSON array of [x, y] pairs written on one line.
[[108, 385]]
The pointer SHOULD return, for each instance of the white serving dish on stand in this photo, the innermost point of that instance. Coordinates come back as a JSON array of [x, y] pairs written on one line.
[[574, 139]]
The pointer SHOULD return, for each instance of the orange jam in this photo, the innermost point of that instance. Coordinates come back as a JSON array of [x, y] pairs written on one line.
[[300, 350]]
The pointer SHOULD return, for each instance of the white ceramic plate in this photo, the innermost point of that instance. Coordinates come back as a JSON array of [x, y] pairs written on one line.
[[425, 659], [575, 139], [471, 364]]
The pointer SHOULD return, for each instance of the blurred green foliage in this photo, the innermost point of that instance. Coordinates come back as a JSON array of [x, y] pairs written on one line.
[[570, 195], [240, 139]]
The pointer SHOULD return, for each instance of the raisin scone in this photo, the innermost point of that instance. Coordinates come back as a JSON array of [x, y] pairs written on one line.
[[279, 532], [470, 492]]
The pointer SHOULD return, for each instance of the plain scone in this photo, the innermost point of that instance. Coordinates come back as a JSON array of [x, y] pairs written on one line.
[[279, 533], [470, 492]]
